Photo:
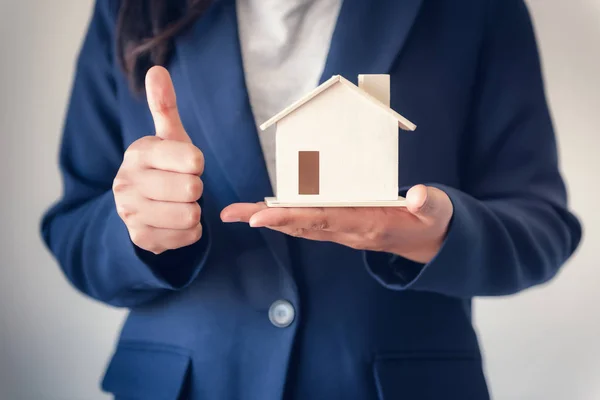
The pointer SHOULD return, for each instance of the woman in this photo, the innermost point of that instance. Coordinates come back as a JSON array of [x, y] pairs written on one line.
[[302, 303]]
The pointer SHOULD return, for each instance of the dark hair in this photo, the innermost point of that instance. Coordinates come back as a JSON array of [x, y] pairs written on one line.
[[145, 32]]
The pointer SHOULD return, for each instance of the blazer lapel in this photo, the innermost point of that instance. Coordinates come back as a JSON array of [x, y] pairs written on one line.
[[369, 37], [211, 62]]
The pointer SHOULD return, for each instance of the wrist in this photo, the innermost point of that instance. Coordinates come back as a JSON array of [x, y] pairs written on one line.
[[422, 253], [421, 256]]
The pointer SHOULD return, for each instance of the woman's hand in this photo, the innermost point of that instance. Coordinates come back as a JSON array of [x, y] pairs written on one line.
[[415, 232], [158, 185]]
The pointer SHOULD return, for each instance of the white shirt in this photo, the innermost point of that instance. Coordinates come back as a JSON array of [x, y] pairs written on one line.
[[284, 46]]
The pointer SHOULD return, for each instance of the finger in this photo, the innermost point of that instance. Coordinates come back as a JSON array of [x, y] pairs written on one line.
[[428, 203], [317, 235], [136, 210], [163, 105], [173, 156], [346, 239], [335, 219], [160, 185], [241, 212], [158, 240], [291, 217]]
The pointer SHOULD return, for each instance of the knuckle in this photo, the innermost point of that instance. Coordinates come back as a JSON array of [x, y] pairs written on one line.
[[196, 234], [298, 232], [120, 183], [134, 155], [372, 236], [162, 108], [193, 215], [376, 238], [196, 161], [125, 212], [137, 237], [145, 141], [194, 188], [141, 237], [320, 225], [136, 152]]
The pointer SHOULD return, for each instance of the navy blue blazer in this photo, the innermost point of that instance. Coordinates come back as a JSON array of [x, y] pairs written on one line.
[[368, 325]]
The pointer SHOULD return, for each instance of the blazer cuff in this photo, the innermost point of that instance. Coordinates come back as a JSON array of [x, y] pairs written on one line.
[[398, 273], [171, 270]]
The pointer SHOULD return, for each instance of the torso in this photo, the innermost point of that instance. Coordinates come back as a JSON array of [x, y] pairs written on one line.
[[349, 328]]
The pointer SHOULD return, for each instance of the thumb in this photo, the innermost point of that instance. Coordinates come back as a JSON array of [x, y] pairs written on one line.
[[428, 203], [163, 105]]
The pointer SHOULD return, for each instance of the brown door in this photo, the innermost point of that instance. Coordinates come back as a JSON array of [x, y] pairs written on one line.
[[308, 172]]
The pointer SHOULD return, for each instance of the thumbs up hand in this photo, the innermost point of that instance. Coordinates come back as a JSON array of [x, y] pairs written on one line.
[[158, 184]]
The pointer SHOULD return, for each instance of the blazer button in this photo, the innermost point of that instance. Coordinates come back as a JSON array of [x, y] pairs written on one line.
[[282, 313]]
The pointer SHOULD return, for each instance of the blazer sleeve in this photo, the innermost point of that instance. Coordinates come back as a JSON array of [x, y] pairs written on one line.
[[83, 230], [511, 227]]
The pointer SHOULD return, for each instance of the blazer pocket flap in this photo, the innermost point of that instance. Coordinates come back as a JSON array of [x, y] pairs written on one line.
[[430, 376], [147, 371]]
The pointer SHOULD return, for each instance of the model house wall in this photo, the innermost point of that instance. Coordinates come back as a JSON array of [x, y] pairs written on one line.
[[357, 145]]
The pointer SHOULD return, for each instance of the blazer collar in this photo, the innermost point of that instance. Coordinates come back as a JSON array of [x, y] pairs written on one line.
[[367, 39]]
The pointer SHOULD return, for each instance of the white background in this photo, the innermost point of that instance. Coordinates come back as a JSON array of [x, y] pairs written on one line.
[[54, 343]]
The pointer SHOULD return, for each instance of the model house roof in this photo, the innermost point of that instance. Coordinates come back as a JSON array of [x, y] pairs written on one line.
[[403, 123]]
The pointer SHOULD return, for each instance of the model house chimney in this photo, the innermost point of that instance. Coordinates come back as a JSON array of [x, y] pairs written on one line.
[[377, 86]]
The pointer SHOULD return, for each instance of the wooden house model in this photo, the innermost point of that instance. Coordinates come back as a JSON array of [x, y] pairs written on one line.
[[338, 146]]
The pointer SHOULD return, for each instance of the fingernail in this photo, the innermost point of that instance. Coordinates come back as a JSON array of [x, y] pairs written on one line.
[[230, 219]]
